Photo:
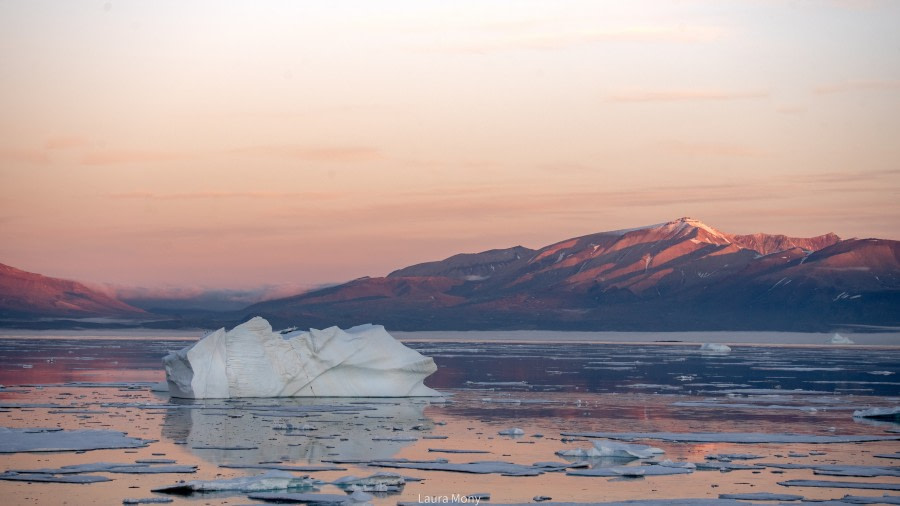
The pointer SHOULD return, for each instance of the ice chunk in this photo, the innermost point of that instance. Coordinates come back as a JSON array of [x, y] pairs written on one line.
[[515, 431], [879, 413], [840, 484], [309, 498], [379, 482], [272, 480], [762, 496], [49, 478], [839, 339], [148, 500], [613, 449], [253, 361], [715, 348], [733, 437], [630, 471], [57, 440], [482, 467]]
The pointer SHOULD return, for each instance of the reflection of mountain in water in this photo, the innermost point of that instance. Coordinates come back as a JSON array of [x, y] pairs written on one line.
[[296, 430]]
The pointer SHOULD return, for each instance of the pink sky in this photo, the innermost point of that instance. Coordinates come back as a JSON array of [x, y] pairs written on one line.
[[224, 144]]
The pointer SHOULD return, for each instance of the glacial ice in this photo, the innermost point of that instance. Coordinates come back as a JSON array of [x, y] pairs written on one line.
[[613, 449], [253, 361], [839, 339], [892, 413], [271, 480], [733, 437], [14, 440]]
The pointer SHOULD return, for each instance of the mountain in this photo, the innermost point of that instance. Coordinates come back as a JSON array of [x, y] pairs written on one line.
[[25, 295], [680, 275]]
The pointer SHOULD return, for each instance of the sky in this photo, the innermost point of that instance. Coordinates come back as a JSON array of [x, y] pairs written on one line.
[[221, 144]]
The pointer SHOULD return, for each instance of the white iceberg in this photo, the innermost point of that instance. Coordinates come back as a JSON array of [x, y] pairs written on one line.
[[613, 449], [839, 339], [253, 361], [271, 480], [892, 413], [715, 348]]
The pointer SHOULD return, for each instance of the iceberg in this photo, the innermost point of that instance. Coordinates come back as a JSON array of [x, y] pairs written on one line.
[[615, 450], [715, 348], [892, 413], [253, 361], [839, 339]]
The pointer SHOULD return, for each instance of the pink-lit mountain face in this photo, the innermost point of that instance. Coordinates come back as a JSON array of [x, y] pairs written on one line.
[[29, 295], [680, 275]]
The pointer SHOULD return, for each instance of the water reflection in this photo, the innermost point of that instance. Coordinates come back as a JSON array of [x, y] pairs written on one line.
[[304, 431]]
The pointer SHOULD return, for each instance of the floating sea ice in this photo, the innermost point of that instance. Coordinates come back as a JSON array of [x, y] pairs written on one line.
[[272, 480], [839, 339], [635, 451], [762, 496], [148, 500], [733, 437], [879, 413], [482, 467], [715, 348], [355, 498], [515, 431], [378, 482], [14, 440], [49, 478], [840, 484], [253, 361], [630, 471]]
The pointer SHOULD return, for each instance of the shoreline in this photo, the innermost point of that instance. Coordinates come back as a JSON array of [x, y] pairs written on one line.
[[739, 338]]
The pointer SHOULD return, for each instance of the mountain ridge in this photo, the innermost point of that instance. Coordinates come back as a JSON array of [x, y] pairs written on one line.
[[27, 294], [678, 275]]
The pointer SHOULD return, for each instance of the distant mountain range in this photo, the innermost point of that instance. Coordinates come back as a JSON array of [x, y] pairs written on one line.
[[26, 296], [680, 275]]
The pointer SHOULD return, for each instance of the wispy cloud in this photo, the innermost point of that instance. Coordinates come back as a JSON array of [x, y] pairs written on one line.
[[23, 155], [203, 195], [314, 153], [858, 85], [67, 142], [557, 40], [867, 176], [685, 95], [112, 157], [712, 149]]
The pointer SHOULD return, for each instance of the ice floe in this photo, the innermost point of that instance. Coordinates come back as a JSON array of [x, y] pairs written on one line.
[[631, 471], [355, 498], [271, 480], [14, 440], [892, 413], [762, 496], [840, 339], [715, 348], [613, 449], [253, 361], [732, 437], [840, 484]]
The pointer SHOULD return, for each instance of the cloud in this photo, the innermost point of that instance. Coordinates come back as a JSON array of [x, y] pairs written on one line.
[[685, 95], [202, 195], [23, 155], [712, 149], [858, 85], [566, 39], [112, 157], [67, 142], [314, 154], [847, 177], [200, 297]]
